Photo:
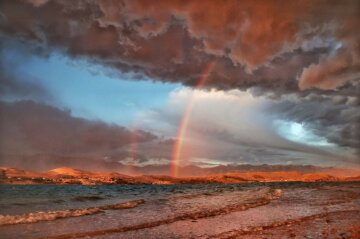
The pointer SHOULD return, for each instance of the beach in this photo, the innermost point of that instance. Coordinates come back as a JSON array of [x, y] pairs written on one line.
[[248, 210]]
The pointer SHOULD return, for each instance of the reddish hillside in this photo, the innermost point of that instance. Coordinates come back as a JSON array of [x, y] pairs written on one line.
[[65, 175], [14, 172]]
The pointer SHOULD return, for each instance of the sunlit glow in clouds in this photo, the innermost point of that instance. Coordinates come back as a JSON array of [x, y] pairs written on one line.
[[298, 132]]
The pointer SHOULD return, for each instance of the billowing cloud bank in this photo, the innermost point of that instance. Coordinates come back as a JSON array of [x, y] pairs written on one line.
[[33, 128], [287, 45], [236, 127]]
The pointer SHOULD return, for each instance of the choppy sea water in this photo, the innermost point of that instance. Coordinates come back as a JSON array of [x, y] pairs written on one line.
[[19, 199], [43, 211]]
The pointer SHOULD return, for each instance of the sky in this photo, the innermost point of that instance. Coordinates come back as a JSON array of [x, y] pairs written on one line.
[[86, 89], [136, 84]]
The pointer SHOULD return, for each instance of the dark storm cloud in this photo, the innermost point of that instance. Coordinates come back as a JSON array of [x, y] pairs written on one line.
[[270, 44], [11, 84], [335, 117], [11, 87], [29, 127]]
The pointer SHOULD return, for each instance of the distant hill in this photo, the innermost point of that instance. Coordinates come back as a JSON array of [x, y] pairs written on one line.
[[42, 162], [67, 175]]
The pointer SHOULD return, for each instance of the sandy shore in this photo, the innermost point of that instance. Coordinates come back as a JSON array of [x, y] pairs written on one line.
[[305, 210], [323, 212]]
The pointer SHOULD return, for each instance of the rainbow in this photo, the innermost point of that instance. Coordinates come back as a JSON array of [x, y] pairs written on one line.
[[179, 143], [133, 146]]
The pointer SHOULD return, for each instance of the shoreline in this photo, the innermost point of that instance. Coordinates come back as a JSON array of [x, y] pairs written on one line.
[[267, 210], [169, 184]]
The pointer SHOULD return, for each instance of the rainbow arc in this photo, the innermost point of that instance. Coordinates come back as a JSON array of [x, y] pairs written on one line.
[[184, 122]]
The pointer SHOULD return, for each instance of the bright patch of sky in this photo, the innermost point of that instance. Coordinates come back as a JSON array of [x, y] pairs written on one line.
[[89, 90], [298, 132]]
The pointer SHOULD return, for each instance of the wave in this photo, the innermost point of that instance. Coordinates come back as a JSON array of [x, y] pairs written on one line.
[[52, 215], [88, 198], [31, 203], [272, 194]]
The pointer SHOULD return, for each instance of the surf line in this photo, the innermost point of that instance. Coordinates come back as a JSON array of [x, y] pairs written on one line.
[[180, 137]]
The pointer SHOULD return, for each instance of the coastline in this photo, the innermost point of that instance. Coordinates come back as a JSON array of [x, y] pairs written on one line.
[[263, 210]]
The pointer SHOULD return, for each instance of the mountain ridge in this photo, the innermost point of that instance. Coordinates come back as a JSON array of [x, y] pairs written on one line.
[[68, 175]]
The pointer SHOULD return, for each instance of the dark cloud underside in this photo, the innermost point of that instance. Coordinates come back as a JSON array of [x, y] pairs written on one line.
[[28, 127], [287, 45]]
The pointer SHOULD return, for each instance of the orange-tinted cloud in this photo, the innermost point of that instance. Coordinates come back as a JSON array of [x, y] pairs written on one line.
[[262, 43]]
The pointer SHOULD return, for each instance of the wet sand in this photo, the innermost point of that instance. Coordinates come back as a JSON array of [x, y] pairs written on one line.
[[304, 210]]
